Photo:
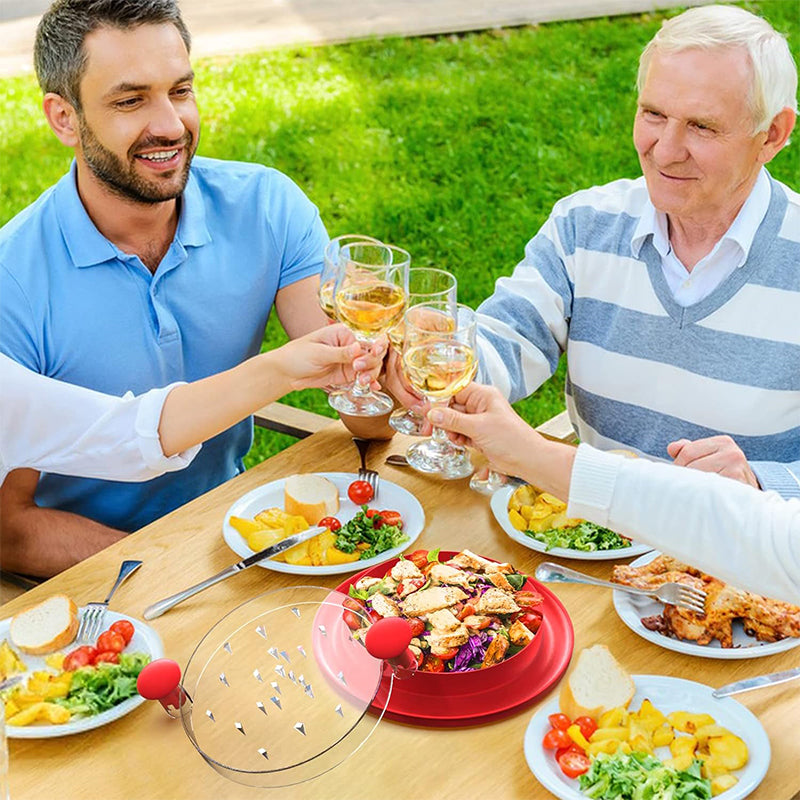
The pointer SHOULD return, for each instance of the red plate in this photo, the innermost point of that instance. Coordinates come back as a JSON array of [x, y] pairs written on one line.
[[442, 700]]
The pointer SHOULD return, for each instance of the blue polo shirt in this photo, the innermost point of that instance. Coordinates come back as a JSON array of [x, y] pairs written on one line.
[[75, 307]]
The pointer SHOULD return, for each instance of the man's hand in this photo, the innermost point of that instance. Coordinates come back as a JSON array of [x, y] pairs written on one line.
[[718, 454], [393, 380]]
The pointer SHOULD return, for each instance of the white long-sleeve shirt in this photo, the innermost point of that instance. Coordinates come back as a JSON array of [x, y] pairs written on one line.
[[739, 534], [58, 427]]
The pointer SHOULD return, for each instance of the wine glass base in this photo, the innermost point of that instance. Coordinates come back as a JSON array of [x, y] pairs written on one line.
[[373, 404], [451, 463], [408, 422], [488, 485]]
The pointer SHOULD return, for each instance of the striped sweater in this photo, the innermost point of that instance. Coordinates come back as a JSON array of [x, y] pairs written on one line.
[[642, 370]]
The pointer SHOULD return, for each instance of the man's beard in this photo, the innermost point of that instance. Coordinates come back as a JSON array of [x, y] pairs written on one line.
[[122, 179]]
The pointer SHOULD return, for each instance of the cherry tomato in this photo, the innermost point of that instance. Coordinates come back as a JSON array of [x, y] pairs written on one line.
[[110, 642], [80, 657], [468, 610], [527, 600], [124, 628], [392, 518], [573, 748], [532, 620], [433, 664], [360, 492], [351, 619], [560, 721], [555, 738], [449, 654], [417, 626], [419, 558], [331, 523], [354, 604], [106, 658], [587, 725], [573, 764]]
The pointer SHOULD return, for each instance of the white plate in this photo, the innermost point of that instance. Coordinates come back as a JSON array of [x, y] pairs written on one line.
[[667, 695], [631, 608], [145, 640], [499, 504], [270, 495]]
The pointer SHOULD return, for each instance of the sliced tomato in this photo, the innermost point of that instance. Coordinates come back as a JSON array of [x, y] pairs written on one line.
[[573, 748], [419, 558], [532, 620], [527, 599], [573, 764], [392, 518], [124, 628], [80, 657], [432, 664], [587, 725], [556, 738], [417, 626], [354, 604], [468, 610], [560, 721], [351, 619], [110, 642], [449, 654], [107, 657], [331, 523]]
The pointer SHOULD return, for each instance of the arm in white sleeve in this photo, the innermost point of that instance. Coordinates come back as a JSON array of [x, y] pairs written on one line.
[[58, 427], [746, 537]]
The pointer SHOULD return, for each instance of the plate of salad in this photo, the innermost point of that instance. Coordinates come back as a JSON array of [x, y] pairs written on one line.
[[619, 776], [362, 528], [98, 693], [559, 536]]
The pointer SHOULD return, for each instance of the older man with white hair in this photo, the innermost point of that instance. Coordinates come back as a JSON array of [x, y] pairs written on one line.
[[676, 295]]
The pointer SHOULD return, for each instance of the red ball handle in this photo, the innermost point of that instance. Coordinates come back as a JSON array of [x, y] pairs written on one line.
[[161, 680], [388, 640]]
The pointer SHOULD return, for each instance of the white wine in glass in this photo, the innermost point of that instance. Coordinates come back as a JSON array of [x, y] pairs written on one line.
[[369, 307], [439, 360]]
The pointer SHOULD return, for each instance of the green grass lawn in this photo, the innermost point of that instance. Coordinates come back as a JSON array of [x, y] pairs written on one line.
[[454, 147]]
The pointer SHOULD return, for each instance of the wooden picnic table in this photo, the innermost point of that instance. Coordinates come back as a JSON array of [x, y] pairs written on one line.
[[147, 755]]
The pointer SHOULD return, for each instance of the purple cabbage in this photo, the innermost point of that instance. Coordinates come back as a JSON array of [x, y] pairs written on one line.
[[472, 650]]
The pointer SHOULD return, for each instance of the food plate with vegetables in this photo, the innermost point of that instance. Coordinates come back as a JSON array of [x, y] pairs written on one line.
[[583, 541], [112, 679], [675, 698], [365, 535]]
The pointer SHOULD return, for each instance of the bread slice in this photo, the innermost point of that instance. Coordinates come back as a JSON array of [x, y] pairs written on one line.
[[596, 684], [46, 627], [311, 496]]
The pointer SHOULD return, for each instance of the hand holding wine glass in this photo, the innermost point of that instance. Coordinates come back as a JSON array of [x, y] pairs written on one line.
[[439, 360]]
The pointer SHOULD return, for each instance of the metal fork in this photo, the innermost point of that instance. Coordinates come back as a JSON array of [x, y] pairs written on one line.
[[93, 613], [364, 474], [676, 594]]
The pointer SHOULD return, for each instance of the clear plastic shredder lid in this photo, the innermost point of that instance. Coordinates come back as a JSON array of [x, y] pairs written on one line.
[[277, 692]]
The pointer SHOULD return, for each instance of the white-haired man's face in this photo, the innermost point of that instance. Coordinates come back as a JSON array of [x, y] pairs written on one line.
[[693, 133]]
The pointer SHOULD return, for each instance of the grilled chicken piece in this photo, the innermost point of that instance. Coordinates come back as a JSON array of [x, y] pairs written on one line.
[[768, 620], [442, 641], [441, 573], [365, 583], [426, 601], [500, 581], [405, 569], [469, 560], [495, 652], [496, 601], [443, 620], [384, 605], [519, 634]]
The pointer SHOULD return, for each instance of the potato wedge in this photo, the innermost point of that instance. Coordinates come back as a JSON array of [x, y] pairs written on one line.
[[683, 744], [728, 750], [335, 556], [686, 722], [722, 783]]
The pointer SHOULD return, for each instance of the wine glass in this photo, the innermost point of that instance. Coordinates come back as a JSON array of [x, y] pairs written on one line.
[[425, 285], [369, 297], [439, 360]]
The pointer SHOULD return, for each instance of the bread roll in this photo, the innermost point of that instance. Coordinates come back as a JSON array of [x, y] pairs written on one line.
[[311, 496], [46, 627], [596, 684]]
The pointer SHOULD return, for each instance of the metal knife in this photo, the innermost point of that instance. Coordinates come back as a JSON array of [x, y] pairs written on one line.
[[756, 683], [157, 609], [9, 682]]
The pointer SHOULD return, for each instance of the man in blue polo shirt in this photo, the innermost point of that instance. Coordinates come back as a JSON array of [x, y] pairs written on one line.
[[142, 265]]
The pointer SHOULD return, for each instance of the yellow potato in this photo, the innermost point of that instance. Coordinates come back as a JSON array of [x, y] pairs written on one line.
[[536, 511], [620, 734], [48, 712], [318, 546], [613, 718], [650, 717], [335, 556], [523, 496], [663, 735], [683, 744], [519, 522], [712, 767], [246, 527], [55, 660], [728, 750], [553, 502], [707, 731], [298, 555], [681, 762], [271, 517], [722, 783], [10, 663], [609, 746], [686, 722], [264, 537]]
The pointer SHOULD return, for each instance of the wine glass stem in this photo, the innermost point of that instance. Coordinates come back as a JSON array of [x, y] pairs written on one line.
[[361, 383], [439, 435]]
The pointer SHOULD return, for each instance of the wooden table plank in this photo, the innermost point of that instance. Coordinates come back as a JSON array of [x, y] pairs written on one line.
[[147, 755]]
